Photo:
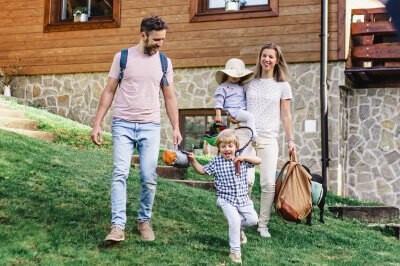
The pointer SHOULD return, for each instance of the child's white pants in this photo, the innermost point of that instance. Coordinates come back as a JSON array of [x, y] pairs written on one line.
[[238, 218], [245, 116]]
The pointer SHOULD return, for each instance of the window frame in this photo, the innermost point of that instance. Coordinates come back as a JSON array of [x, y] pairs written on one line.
[[52, 23], [195, 112], [199, 11]]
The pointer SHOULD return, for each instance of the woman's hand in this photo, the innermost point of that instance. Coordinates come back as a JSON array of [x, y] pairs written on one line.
[[291, 146], [232, 120]]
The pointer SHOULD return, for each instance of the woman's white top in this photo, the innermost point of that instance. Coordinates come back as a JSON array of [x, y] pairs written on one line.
[[263, 98]]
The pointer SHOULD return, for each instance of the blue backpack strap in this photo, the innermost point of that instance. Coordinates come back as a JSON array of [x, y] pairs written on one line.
[[164, 66], [122, 64]]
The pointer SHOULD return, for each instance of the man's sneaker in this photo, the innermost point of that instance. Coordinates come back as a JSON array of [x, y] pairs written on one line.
[[257, 145], [264, 232], [116, 234], [235, 257], [243, 238], [146, 231]]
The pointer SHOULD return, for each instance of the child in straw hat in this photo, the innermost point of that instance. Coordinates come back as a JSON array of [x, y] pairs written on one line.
[[230, 95]]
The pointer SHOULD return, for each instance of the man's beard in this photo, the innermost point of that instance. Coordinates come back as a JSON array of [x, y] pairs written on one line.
[[150, 50]]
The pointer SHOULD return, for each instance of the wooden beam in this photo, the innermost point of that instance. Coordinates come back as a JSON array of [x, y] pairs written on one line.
[[377, 51], [341, 30], [372, 28]]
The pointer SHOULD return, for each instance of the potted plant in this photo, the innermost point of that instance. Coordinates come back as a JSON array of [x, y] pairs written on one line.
[[81, 14], [9, 75], [232, 5]]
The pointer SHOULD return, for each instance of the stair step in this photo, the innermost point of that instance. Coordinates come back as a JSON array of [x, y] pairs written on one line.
[[18, 123], [5, 105], [372, 214], [135, 159], [199, 184], [12, 113], [36, 134], [168, 172], [396, 228]]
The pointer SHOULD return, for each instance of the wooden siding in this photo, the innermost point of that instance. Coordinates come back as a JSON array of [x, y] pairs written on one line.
[[200, 44]]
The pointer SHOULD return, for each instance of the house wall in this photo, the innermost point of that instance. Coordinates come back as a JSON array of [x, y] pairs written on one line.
[[199, 44], [373, 156]]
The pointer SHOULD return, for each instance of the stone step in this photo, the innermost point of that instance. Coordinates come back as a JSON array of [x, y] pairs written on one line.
[[5, 105], [18, 123], [199, 184], [396, 228], [167, 172], [372, 214], [36, 134], [135, 159], [12, 113]]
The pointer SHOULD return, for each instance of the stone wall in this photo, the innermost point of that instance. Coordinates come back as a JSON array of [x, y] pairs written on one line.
[[363, 124], [373, 170], [195, 89]]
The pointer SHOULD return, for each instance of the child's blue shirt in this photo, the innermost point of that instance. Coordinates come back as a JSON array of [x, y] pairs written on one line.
[[231, 98]]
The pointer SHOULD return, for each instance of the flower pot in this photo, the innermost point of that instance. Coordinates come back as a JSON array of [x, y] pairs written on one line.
[[83, 18], [232, 6], [7, 90], [77, 18]]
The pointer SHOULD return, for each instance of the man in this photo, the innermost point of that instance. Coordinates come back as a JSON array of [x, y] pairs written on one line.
[[137, 123]]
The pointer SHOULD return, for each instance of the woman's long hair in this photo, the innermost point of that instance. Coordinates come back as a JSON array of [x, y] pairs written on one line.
[[281, 70]]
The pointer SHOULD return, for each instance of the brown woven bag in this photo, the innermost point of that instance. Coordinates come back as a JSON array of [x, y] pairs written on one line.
[[293, 200]]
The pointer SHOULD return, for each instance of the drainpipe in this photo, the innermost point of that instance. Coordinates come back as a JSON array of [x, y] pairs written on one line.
[[323, 83]]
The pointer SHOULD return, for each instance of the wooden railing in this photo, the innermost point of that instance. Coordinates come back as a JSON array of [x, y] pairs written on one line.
[[374, 49]]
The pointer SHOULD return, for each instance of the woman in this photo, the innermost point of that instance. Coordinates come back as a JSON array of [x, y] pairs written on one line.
[[268, 97]]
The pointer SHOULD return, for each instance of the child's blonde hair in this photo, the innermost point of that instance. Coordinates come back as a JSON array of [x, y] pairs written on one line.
[[227, 136]]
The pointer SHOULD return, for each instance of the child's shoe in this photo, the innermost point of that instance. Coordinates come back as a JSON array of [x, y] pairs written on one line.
[[264, 232], [243, 238], [257, 145], [235, 257]]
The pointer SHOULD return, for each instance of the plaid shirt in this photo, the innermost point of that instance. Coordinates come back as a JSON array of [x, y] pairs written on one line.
[[230, 187]]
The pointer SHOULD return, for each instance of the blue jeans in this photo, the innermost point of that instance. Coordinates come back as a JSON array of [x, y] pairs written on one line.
[[147, 138]]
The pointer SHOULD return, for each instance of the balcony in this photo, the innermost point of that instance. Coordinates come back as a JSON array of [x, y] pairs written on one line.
[[374, 58]]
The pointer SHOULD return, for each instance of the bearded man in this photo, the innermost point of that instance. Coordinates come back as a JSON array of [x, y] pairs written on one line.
[[136, 123]]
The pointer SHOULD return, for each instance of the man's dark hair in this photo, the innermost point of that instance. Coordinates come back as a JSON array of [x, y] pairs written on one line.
[[152, 23]]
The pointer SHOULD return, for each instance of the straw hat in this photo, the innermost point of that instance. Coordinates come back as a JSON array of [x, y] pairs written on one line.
[[234, 68]]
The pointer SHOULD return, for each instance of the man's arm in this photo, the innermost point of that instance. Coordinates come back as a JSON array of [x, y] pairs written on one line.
[[106, 98], [171, 104]]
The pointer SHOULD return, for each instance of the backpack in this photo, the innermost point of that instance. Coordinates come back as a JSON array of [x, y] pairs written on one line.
[[124, 58], [293, 200]]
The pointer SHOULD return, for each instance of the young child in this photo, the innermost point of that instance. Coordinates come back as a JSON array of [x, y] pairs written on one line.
[[231, 189], [230, 95]]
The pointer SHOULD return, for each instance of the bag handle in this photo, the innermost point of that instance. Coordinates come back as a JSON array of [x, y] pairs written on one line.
[[122, 64], [177, 147], [293, 156]]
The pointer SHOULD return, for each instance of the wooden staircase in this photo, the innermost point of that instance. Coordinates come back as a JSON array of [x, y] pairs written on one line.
[[13, 120]]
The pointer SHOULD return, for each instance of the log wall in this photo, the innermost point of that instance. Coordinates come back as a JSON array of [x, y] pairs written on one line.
[[200, 44]]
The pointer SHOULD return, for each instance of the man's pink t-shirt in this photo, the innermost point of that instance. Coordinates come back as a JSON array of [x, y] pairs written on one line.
[[138, 95]]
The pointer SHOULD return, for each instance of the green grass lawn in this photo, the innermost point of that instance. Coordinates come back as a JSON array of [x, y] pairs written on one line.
[[55, 210]]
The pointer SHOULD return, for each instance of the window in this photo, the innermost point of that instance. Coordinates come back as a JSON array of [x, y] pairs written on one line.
[[194, 123], [210, 10], [59, 15]]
